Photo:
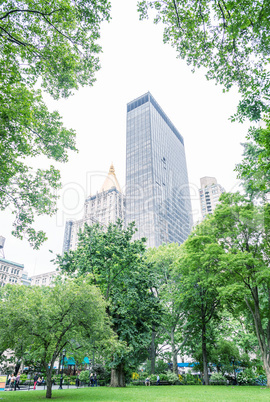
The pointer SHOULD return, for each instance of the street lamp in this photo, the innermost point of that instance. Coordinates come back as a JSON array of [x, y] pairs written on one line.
[[90, 371], [235, 380], [61, 379]]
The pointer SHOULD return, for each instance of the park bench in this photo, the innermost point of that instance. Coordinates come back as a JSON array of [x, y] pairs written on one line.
[[142, 382]]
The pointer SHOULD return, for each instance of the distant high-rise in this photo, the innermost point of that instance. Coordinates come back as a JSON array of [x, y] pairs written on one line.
[[104, 207], [210, 192], [157, 188]]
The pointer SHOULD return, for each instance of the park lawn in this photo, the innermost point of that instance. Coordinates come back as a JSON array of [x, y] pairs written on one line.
[[144, 394]]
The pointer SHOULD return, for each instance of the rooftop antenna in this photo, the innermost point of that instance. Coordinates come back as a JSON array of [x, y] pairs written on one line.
[[2, 243]]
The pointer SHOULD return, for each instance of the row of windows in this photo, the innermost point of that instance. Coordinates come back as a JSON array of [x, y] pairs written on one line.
[[14, 271]]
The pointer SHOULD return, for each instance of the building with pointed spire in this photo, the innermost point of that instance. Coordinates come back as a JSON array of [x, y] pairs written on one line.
[[104, 207]]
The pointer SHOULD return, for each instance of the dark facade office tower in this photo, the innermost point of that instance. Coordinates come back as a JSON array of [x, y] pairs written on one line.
[[157, 188]]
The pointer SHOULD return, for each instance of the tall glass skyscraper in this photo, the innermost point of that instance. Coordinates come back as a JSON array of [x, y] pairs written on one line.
[[157, 187]]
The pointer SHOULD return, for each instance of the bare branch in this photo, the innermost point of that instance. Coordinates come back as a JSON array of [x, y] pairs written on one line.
[[202, 17], [30, 12], [177, 15], [183, 343], [12, 39]]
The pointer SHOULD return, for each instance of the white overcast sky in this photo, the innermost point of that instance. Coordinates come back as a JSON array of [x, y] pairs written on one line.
[[134, 61]]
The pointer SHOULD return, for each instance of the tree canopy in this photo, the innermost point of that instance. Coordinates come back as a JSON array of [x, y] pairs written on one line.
[[196, 272], [53, 45], [222, 273], [118, 267], [241, 229], [169, 333], [229, 38], [49, 319], [254, 170]]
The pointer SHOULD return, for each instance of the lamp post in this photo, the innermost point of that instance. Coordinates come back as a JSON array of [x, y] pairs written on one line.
[[89, 384], [235, 380], [61, 379]]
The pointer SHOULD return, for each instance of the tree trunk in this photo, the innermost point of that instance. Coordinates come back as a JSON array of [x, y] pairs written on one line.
[[49, 382], [174, 354], [17, 367], [268, 378], [266, 368], [153, 352], [204, 355], [263, 339], [118, 376]]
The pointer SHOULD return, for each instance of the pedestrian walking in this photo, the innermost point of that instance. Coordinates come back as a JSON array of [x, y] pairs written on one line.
[[12, 381], [17, 381], [35, 381], [8, 380]]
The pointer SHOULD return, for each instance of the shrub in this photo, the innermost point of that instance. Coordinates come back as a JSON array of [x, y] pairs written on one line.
[[143, 375], [246, 377], [135, 382], [23, 378], [261, 380], [172, 378], [153, 378], [189, 379], [217, 379], [161, 366], [163, 377], [56, 378], [84, 376], [103, 373]]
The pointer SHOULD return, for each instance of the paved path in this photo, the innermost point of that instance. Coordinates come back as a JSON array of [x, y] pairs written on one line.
[[42, 388]]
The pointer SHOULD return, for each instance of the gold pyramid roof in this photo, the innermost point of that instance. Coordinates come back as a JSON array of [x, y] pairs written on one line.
[[110, 181]]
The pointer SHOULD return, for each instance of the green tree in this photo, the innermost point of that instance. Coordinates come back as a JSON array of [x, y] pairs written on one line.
[[196, 271], [119, 268], [233, 337], [242, 229], [49, 319], [254, 170], [228, 38], [225, 356], [52, 44], [169, 331]]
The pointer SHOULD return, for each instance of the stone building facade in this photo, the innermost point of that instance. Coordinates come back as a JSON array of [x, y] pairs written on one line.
[[10, 272], [43, 279], [106, 206]]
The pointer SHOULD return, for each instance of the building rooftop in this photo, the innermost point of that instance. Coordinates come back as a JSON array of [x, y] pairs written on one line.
[[110, 181], [4, 260], [207, 181]]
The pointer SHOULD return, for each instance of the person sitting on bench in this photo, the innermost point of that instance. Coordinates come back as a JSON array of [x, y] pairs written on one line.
[[147, 381]]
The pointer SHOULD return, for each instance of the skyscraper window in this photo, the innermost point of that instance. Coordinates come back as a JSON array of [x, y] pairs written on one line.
[[157, 191]]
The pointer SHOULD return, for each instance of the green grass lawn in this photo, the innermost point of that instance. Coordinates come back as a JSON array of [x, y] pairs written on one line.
[[143, 394]]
